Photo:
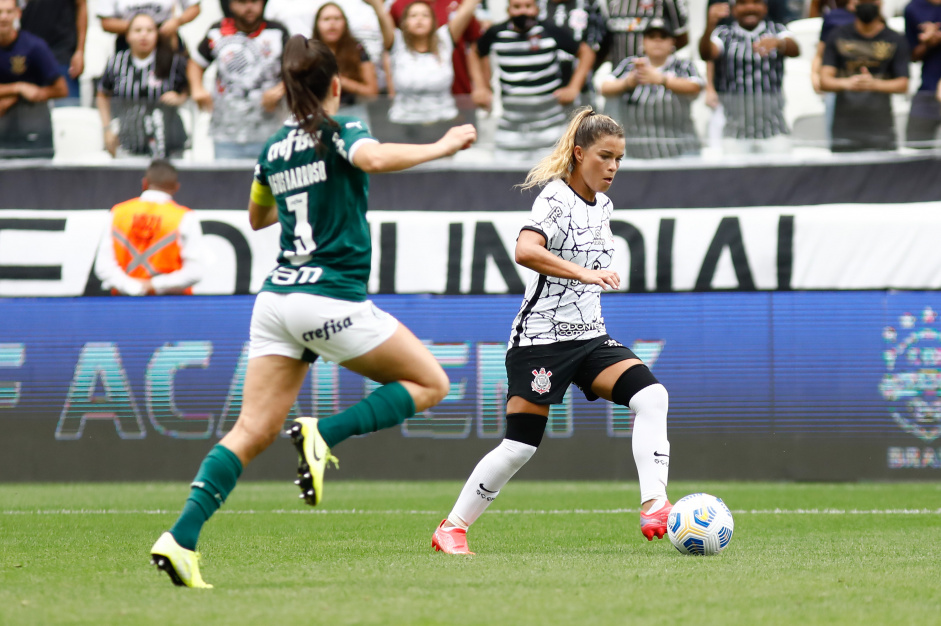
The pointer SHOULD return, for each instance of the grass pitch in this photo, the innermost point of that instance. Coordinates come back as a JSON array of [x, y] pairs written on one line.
[[547, 553]]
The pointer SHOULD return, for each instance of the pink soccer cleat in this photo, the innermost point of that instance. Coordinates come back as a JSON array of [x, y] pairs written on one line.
[[451, 540], [655, 524]]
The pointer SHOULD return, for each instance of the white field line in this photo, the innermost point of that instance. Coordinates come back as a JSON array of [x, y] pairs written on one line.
[[491, 512]]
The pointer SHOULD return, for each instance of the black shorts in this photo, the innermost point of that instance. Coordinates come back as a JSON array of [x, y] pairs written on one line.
[[542, 374]]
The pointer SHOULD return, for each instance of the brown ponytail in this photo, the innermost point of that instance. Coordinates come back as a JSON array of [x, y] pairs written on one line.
[[308, 68]]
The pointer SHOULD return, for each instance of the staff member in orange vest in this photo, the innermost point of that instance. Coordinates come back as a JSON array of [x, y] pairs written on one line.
[[152, 245]]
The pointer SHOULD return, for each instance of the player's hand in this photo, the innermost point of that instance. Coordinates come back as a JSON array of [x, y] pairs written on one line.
[[862, 81], [29, 91], [271, 98], [712, 97], [173, 99], [605, 278], [649, 75], [202, 98], [930, 34], [169, 28], [482, 97], [458, 138], [717, 13], [111, 142], [77, 64], [766, 45], [565, 95]]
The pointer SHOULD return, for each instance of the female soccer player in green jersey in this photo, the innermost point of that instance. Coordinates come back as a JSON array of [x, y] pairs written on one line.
[[312, 179]]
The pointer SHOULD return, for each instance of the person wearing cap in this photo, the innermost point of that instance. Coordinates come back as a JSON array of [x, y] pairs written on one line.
[[749, 71], [656, 90]]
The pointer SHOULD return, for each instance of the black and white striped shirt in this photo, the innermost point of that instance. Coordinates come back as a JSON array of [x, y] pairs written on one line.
[[146, 126], [748, 84], [627, 20], [584, 20], [529, 73], [657, 122]]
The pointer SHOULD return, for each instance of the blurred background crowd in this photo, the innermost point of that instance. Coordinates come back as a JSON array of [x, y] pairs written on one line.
[[93, 80]]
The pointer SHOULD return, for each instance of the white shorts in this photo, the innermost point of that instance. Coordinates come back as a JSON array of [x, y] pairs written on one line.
[[298, 324]]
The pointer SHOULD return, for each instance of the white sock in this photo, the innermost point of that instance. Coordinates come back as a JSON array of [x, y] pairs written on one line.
[[650, 445], [485, 482]]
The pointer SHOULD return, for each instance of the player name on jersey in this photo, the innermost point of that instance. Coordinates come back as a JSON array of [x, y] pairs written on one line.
[[298, 177]]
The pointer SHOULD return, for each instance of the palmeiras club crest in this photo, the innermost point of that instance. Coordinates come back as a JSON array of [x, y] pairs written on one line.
[[541, 382], [912, 382]]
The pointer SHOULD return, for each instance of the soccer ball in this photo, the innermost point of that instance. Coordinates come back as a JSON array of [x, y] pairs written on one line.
[[700, 524]]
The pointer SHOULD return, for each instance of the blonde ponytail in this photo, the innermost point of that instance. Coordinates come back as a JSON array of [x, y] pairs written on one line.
[[584, 129]]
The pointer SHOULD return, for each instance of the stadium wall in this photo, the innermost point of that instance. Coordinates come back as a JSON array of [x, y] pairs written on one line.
[[770, 385], [766, 299]]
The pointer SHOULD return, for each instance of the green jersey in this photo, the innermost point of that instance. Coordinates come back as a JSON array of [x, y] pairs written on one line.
[[326, 248]]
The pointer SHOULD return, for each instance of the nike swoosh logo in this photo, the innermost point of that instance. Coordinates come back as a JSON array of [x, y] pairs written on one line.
[[485, 489], [313, 449], [658, 454]]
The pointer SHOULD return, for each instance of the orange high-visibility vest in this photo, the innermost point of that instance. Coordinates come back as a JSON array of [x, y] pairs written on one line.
[[146, 238]]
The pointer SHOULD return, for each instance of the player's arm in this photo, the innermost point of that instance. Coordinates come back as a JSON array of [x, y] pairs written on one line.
[[114, 25], [374, 158], [262, 207], [531, 253]]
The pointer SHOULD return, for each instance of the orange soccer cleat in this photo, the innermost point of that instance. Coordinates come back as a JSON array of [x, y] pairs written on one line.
[[655, 524], [450, 540]]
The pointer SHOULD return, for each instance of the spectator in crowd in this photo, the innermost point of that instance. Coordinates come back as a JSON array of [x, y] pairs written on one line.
[[468, 74], [627, 20], [247, 100], [151, 245], [531, 86], [29, 78], [584, 20], [116, 15], [140, 93], [422, 71], [298, 17], [62, 25], [358, 75], [837, 15], [864, 63], [923, 31], [657, 89], [749, 71], [840, 15]]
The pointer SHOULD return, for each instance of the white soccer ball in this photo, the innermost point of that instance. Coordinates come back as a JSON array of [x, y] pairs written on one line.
[[700, 524]]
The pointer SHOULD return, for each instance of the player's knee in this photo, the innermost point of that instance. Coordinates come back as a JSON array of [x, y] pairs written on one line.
[[627, 390], [255, 433], [433, 390], [526, 428]]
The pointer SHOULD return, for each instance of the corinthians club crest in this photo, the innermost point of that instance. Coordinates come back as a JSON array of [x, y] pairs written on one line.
[[912, 381], [541, 382]]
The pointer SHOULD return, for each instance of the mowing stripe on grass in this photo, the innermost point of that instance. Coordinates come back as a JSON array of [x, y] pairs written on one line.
[[491, 512]]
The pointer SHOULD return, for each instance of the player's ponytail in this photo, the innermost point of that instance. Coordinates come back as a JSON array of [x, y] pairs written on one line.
[[307, 68], [585, 128]]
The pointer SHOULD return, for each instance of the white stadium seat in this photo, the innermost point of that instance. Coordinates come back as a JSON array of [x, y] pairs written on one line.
[[77, 135]]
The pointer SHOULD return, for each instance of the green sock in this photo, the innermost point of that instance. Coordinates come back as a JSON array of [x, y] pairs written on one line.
[[213, 484], [387, 406]]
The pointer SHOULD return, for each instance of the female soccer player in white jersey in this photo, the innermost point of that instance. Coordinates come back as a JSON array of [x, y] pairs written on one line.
[[558, 337], [312, 179]]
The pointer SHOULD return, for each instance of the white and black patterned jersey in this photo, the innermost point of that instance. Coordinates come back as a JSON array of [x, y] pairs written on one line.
[[658, 123], [248, 64], [748, 84], [585, 21], [627, 20], [529, 74], [147, 126], [560, 309]]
